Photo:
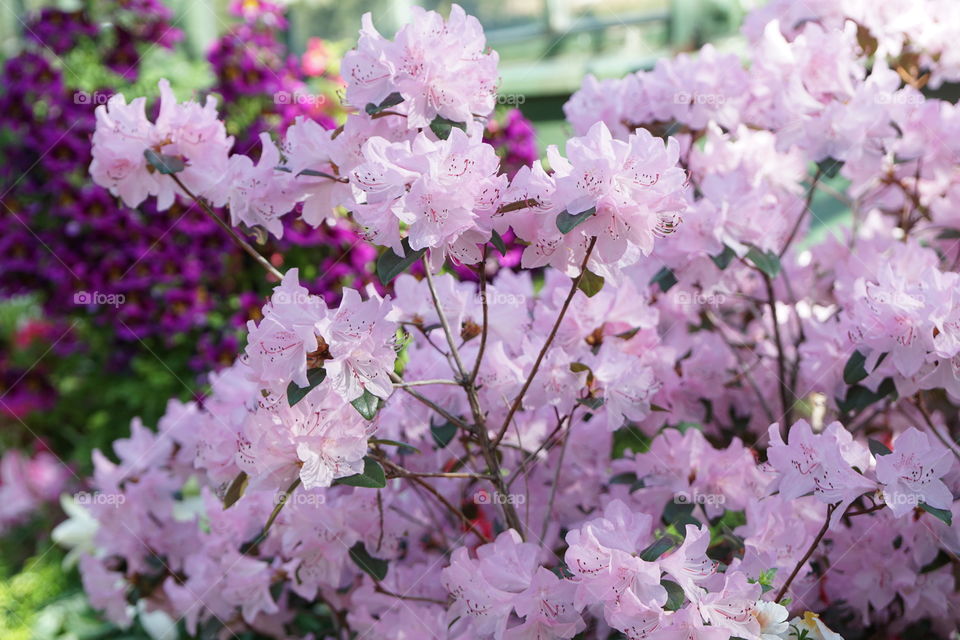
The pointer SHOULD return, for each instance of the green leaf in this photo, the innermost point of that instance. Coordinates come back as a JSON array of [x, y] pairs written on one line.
[[497, 241], [629, 439], [829, 167], [859, 398], [235, 490], [317, 174], [679, 514], [167, 165], [374, 567], [443, 434], [578, 367], [590, 283], [591, 403], [296, 393], [390, 265], [657, 549], [394, 443], [442, 127], [766, 261], [723, 259], [391, 100], [372, 477], [664, 279], [855, 371], [675, 598], [627, 477], [877, 448], [942, 514], [367, 404], [566, 222], [949, 234]]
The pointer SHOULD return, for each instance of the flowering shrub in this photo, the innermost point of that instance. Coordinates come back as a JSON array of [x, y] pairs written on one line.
[[687, 426]]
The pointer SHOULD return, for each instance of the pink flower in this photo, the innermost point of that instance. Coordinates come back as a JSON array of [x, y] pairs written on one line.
[[635, 186], [912, 473], [815, 463], [439, 67], [123, 133], [277, 347], [259, 195], [446, 192]]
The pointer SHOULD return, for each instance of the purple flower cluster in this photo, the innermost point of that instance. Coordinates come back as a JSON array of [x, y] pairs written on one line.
[[140, 272]]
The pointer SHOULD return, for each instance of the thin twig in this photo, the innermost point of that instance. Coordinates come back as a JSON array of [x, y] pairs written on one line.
[[482, 274], [428, 402], [439, 496], [556, 476], [803, 213], [546, 345], [263, 262], [806, 556]]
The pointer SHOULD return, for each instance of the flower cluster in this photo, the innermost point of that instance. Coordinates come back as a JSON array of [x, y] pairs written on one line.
[[593, 448]]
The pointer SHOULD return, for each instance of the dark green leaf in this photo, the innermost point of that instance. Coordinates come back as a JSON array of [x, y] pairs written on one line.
[[165, 164], [497, 241], [317, 174], [627, 477], [664, 279], [367, 404], [374, 567], [675, 597], [859, 398], [567, 221], [391, 100], [679, 514], [443, 434], [657, 549], [855, 371], [591, 403], [723, 259], [235, 490], [629, 439], [390, 265], [578, 367], [766, 261], [442, 127], [942, 514], [296, 393], [877, 448], [590, 283], [829, 167], [949, 234], [372, 477]]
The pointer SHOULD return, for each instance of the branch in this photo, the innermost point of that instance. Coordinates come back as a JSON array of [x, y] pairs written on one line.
[[428, 402], [546, 345], [482, 274], [803, 213], [785, 391], [263, 262], [806, 556]]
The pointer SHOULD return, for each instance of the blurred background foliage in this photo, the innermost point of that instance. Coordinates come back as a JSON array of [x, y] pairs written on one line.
[[72, 376]]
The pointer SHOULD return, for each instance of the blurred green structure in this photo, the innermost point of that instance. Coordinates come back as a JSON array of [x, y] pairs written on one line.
[[546, 46]]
